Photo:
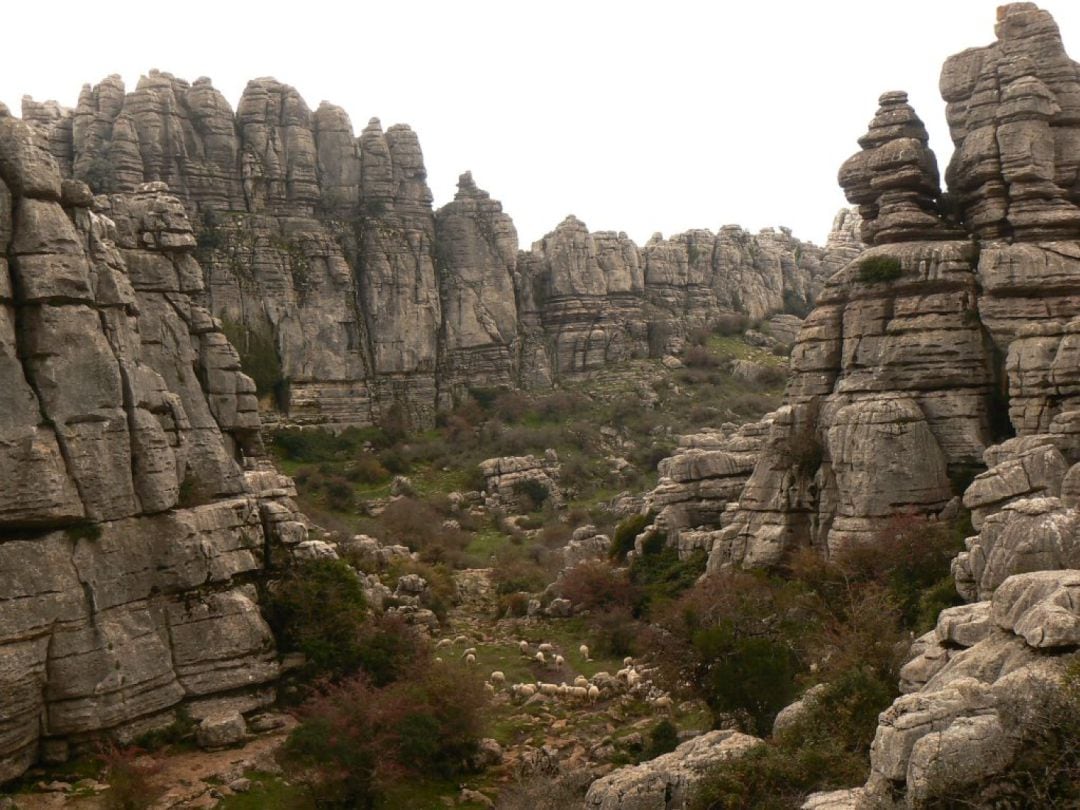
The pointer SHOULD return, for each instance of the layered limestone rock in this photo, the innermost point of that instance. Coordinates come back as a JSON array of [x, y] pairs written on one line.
[[667, 782], [476, 254], [894, 179], [587, 300], [357, 303], [985, 679], [701, 482], [129, 531], [988, 669], [893, 384]]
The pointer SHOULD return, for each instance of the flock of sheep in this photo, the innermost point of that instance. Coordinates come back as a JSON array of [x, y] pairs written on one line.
[[582, 688]]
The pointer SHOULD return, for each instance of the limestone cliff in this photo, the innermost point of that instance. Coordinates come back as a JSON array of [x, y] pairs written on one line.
[[349, 297], [946, 348], [134, 513]]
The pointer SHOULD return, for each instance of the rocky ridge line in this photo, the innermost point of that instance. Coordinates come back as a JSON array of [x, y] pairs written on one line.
[[325, 247]]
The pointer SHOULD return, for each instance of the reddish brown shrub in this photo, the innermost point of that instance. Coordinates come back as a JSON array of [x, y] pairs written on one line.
[[595, 585]]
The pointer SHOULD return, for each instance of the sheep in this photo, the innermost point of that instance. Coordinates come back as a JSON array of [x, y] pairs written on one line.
[[539, 658], [444, 642], [559, 661], [622, 674], [581, 680], [594, 693], [498, 677], [563, 688], [546, 648], [584, 650], [579, 692], [633, 678], [470, 659], [489, 688], [551, 689], [524, 690], [523, 645], [469, 651], [461, 640], [438, 660], [627, 661], [663, 702]]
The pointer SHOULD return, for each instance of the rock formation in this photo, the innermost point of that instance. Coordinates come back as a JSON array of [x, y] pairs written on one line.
[[354, 300], [134, 511], [669, 780], [946, 348]]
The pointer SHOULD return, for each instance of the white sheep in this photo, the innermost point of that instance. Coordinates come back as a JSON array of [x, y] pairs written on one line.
[[438, 660], [581, 680], [594, 693], [579, 692], [443, 642], [470, 659], [523, 645], [551, 689], [622, 674], [627, 661], [461, 640], [546, 648], [584, 650], [559, 661], [633, 678], [563, 688], [489, 688], [663, 702], [498, 677], [539, 658], [524, 690], [470, 651]]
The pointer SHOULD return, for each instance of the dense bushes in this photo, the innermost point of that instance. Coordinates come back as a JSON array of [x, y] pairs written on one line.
[[825, 749], [357, 739], [749, 643], [318, 609], [626, 533], [313, 445]]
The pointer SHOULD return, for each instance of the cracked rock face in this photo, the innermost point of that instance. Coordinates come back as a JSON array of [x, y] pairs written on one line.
[[129, 530]]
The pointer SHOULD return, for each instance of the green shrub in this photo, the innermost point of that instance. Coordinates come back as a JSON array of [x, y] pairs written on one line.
[[663, 739], [661, 576], [318, 609], [625, 534], [259, 358], [314, 445], [877, 269], [825, 749], [531, 493]]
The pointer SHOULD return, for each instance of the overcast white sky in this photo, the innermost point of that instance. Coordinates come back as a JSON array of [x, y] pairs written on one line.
[[634, 116]]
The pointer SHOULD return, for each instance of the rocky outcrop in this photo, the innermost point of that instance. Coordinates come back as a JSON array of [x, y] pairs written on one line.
[[521, 482], [134, 514], [476, 252], [700, 484], [354, 301], [667, 782], [990, 667]]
